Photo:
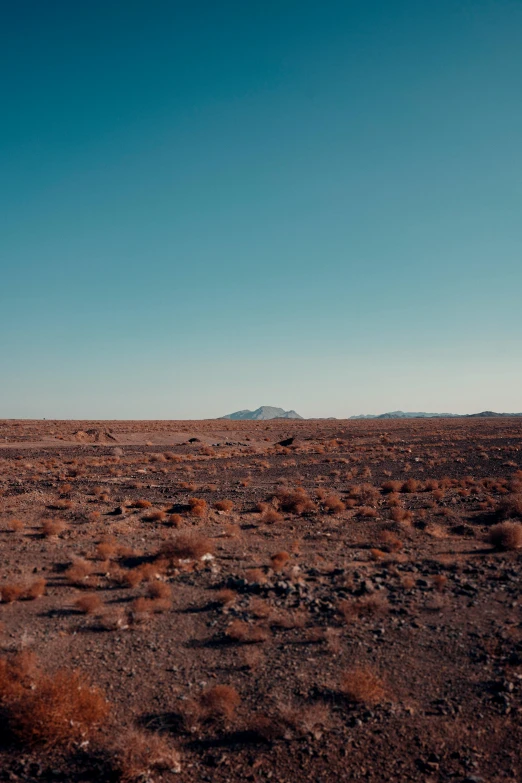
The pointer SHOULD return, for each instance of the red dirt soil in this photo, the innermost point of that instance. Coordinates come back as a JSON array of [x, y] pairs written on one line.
[[327, 626]]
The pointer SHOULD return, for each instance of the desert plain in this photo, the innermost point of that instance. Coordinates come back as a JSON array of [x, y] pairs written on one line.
[[278, 600]]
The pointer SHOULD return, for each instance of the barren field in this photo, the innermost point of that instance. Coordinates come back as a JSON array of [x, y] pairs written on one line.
[[250, 601]]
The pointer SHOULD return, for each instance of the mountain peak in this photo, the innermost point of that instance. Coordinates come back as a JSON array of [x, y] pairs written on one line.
[[262, 414]]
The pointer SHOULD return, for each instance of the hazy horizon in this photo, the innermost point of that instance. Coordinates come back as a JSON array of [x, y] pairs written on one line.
[[210, 207]]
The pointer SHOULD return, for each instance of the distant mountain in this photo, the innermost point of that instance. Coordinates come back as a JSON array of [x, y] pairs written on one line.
[[263, 413], [407, 415], [420, 415]]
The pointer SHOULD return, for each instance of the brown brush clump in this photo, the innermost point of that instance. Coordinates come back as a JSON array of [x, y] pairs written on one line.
[[16, 525], [35, 589], [295, 501], [392, 486], [136, 755], [50, 710], [106, 550], [90, 603], [224, 505], [279, 560], [146, 606], [159, 590], [220, 701], [506, 535], [389, 541], [188, 546], [239, 631], [271, 516], [28, 591], [155, 516], [333, 504], [255, 575], [226, 597], [78, 571], [198, 507], [412, 485], [362, 685], [510, 508], [142, 504], [11, 593], [52, 527], [175, 520], [401, 515]]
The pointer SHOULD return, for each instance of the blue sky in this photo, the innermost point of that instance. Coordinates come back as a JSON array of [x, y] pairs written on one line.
[[208, 206]]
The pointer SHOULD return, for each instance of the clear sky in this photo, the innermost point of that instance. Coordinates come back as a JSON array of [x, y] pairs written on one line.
[[208, 206]]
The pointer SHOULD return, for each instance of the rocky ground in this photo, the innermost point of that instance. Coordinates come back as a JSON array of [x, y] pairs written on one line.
[[275, 600]]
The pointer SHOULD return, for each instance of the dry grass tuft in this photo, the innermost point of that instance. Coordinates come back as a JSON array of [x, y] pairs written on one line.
[[51, 528], [242, 632], [224, 505], [187, 546], [90, 603], [362, 685], [136, 755], [198, 507], [279, 560], [506, 535], [220, 701], [55, 710]]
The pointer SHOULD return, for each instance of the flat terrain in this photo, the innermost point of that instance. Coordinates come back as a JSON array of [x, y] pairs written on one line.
[[278, 600]]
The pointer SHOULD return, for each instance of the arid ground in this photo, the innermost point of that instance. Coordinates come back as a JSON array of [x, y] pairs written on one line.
[[252, 601]]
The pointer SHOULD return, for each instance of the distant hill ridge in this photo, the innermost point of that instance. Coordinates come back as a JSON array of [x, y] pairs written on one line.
[[421, 415], [262, 414], [266, 412]]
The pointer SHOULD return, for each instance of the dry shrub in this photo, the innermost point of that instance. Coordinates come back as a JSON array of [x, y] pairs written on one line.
[[392, 486], [198, 507], [224, 505], [35, 589], [365, 494], [52, 527], [142, 504], [220, 701], [333, 504], [279, 560], [510, 508], [408, 582], [90, 603], [225, 596], [377, 554], [50, 710], [188, 546], [389, 541], [28, 591], [367, 512], [295, 501], [155, 516], [401, 515], [106, 550], [159, 590], [255, 575], [136, 755], [362, 685], [412, 485], [11, 593], [239, 631], [147, 606], [271, 516], [175, 520], [506, 535], [16, 525], [78, 571]]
